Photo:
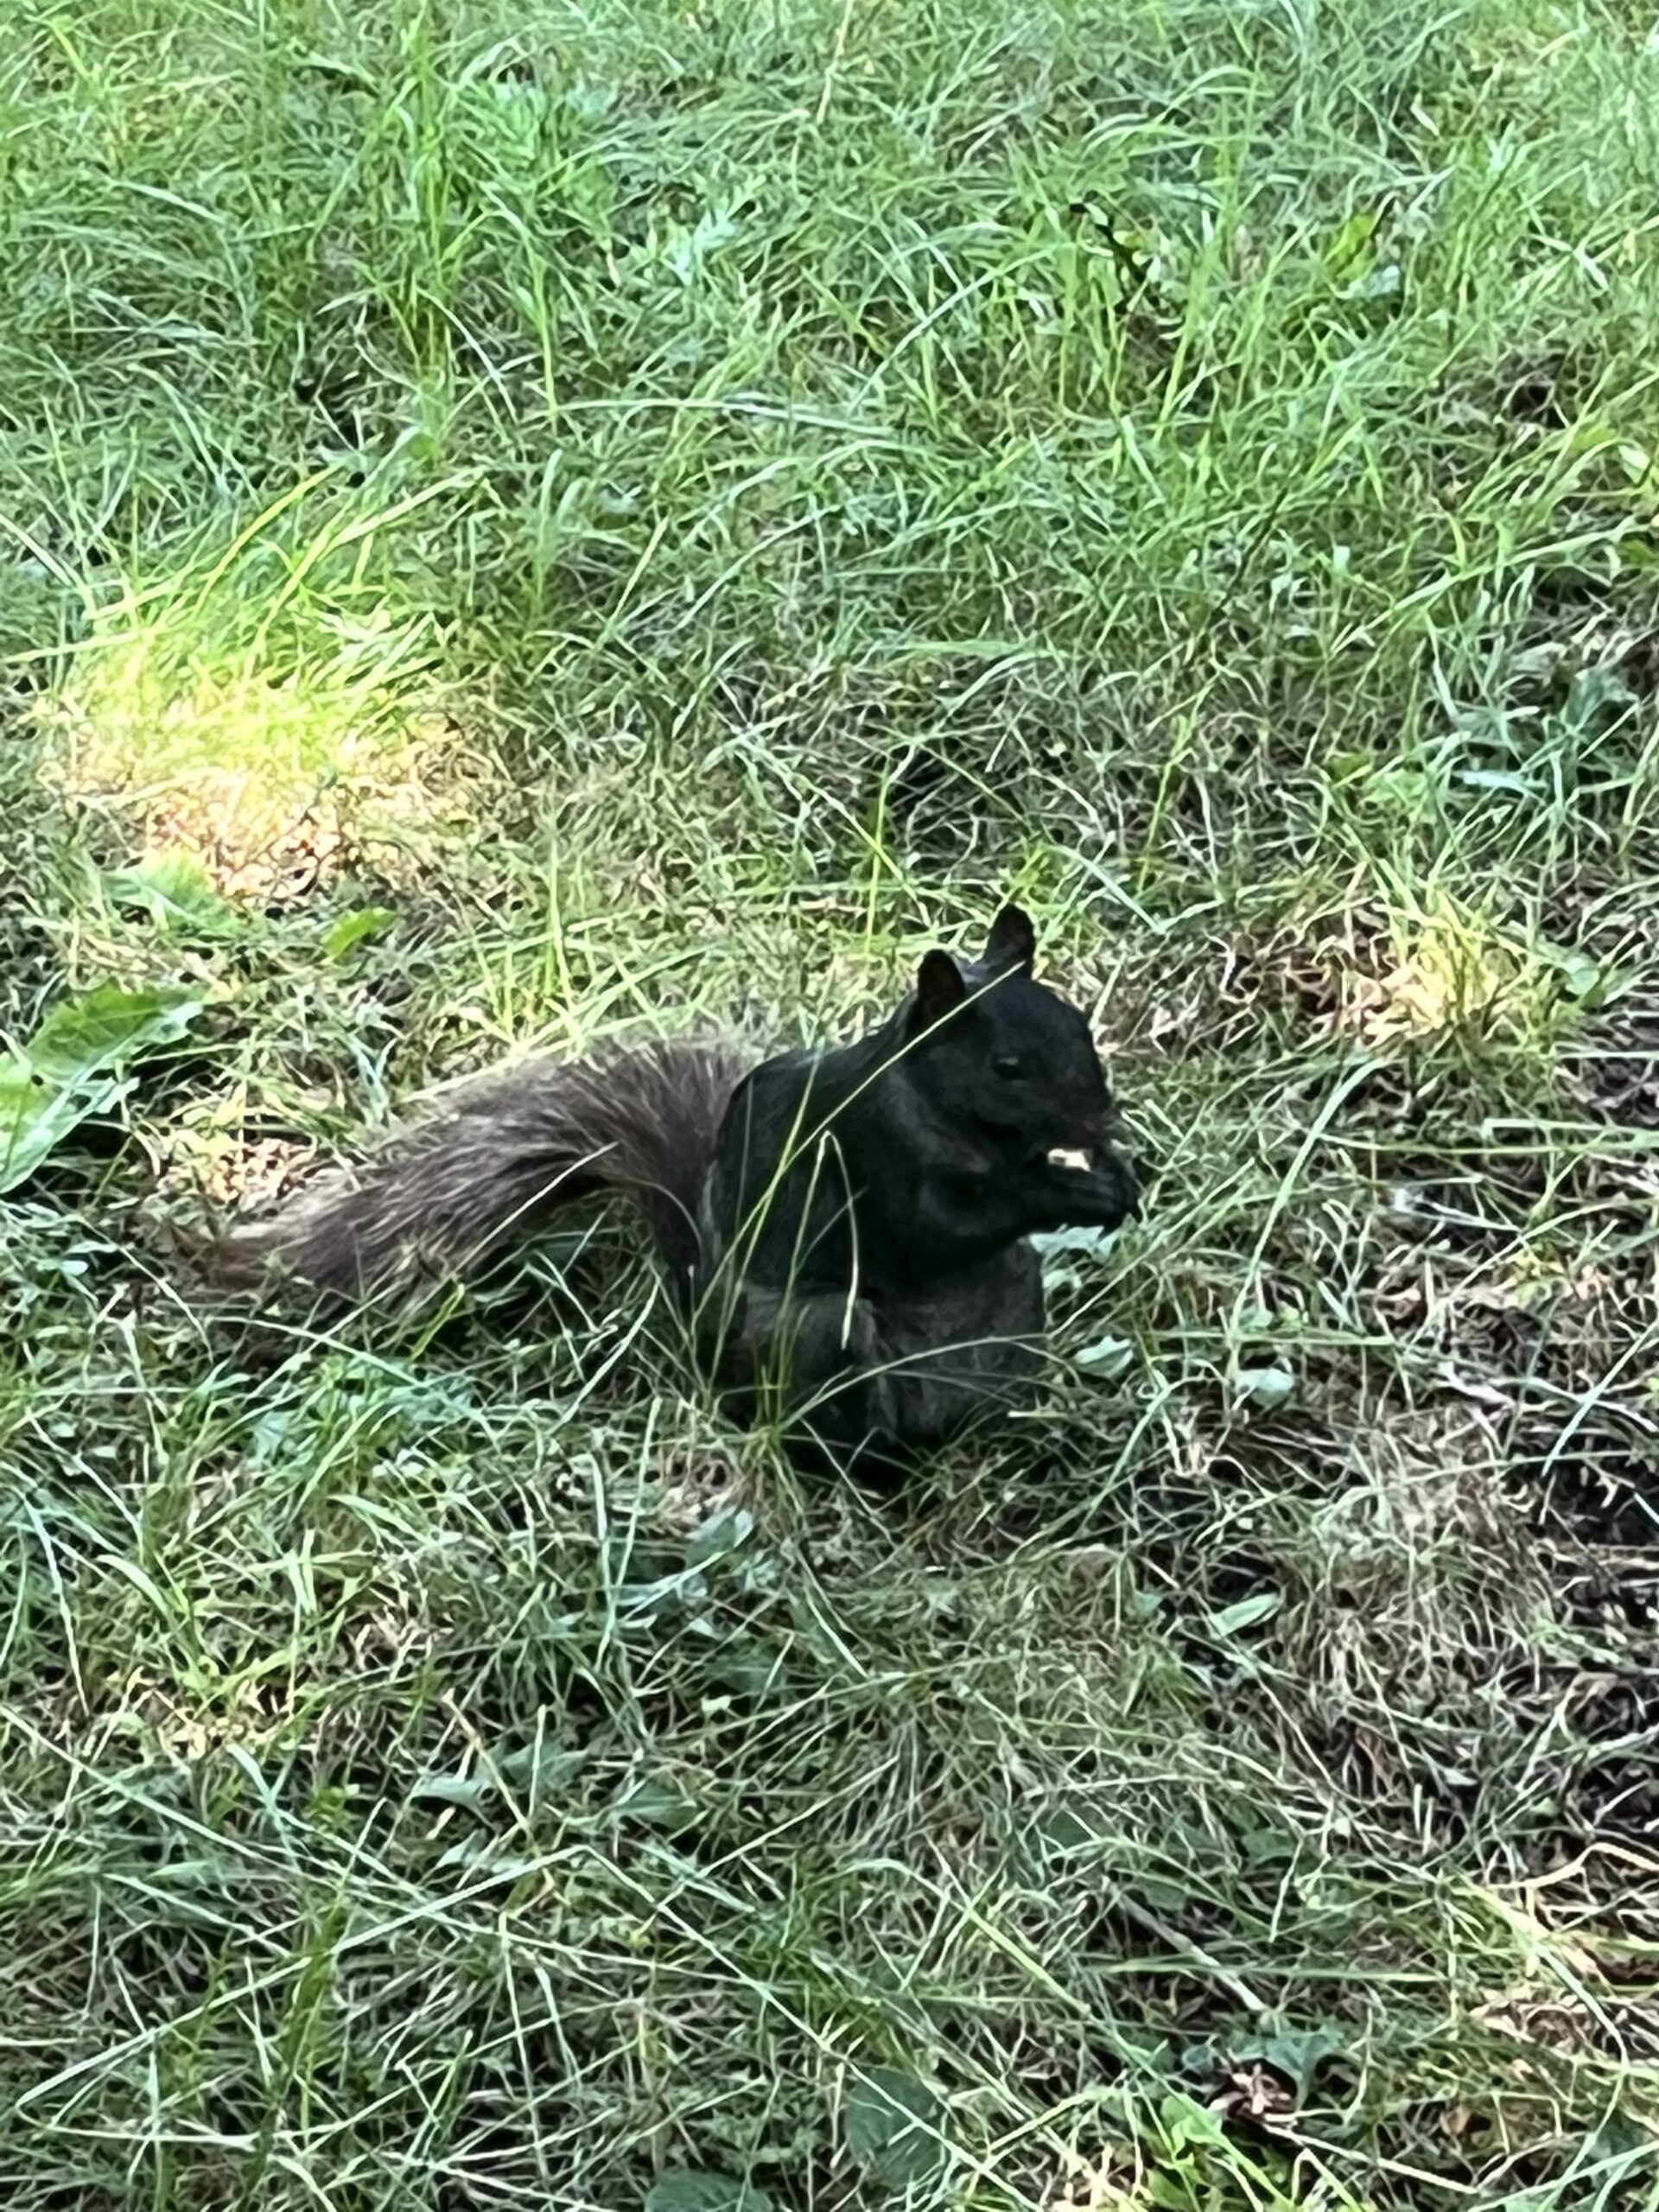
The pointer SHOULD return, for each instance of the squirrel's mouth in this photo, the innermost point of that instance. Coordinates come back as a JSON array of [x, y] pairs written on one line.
[[1097, 1159], [1072, 1160]]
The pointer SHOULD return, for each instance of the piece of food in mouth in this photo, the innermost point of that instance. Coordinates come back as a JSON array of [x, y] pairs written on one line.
[[1076, 1162]]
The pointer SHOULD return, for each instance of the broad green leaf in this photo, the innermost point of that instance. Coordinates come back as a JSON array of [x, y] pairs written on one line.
[[176, 892], [1067, 1829], [1231, 1619], [722, 1532], [1188, 2124], [1294, 2052], [469, 1790], [1595, 695], [107, 1029], [75, 1066], [695, 2192], [657, 1802], [1270, 1386], [1108, 1357], [1349, 250], [1083, 1239], [349, 931], [892, 2122], [36, 1115]]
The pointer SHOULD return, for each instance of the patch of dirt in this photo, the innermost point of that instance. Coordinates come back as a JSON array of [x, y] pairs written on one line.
[[264, 836]]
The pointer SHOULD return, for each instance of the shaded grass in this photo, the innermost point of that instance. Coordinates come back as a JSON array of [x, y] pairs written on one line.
[[680, 509]]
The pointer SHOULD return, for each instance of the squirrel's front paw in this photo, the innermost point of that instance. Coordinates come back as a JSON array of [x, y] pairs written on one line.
[[1090, 1190]]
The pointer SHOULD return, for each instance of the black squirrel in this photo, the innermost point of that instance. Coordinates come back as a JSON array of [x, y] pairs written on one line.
[[846, 1230]]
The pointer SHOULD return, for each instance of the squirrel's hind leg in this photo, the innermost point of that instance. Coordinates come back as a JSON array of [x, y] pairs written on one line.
[[864, 1379]]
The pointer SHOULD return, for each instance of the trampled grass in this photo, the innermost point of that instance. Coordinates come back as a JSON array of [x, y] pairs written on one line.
[[515, 521]]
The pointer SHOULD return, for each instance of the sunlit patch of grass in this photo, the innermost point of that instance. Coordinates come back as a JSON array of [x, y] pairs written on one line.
[[270, 781], [1447, 971]]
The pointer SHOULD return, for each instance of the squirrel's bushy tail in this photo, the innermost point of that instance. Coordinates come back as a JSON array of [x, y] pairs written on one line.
[[453, 1198]]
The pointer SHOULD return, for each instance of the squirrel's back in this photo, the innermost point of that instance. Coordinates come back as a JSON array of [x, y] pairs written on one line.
[[455, 1196]]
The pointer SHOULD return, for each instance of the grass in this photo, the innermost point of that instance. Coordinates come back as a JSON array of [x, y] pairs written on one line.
[[519, 520]]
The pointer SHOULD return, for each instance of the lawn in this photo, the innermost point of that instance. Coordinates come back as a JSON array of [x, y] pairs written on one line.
[[522, 522]]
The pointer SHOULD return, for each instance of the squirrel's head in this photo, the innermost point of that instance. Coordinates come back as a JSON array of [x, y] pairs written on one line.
[[988, 1044]]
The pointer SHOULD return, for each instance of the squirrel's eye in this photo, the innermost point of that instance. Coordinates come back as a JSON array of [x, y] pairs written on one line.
[[1007, 1066]]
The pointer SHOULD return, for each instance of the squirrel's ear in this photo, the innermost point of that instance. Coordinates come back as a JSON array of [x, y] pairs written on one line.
[[939, 990], [1012, 941]]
